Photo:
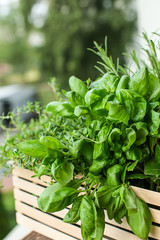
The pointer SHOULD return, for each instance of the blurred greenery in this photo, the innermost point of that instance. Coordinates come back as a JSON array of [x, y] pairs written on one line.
[[50, 38], [7, 213], [40, 39]]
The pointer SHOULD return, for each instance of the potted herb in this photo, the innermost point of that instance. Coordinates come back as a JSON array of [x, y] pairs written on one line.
[[96, 144]]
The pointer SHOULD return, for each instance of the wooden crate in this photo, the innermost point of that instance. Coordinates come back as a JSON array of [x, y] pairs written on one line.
[[26, 190]]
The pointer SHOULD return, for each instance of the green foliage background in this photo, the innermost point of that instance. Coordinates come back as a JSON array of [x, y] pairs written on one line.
[[68, 29]]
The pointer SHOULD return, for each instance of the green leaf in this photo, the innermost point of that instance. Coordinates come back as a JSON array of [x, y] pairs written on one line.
[[73, 214], [103, 133], [134, 153], [130, 139], [132, 166], [42, 170], [88, 215], [134, 104], [93, 97], [56, 197], [140, 222], [140, 82], [99, 151], [51, 142], [54, 107], [117, 113], [87, 152], [76, 147], [100, 224], [129, 199], [32, 148], [78, 86], [81, 110], [141, 132], [74, 98], [123, 83], [113, 175], [114, 137], [108, 81], [137, 176], [157, 153], [104, 195], [152, 168], [97, 166], [63, 172], [155, 122], [67, 110]]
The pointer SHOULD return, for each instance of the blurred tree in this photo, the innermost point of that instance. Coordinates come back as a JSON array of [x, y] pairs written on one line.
[[66, 28]]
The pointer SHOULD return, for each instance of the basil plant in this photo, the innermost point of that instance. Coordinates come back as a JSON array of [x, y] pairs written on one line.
[[107, 132]]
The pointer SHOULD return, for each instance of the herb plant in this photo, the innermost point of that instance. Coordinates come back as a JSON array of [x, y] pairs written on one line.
[[107, 133]]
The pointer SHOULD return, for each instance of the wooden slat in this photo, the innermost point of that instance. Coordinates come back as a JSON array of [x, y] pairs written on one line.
[[111, 231], [148, 196], [32, 200], [27, 186], [47, 219], [41, 228], [27, 174]]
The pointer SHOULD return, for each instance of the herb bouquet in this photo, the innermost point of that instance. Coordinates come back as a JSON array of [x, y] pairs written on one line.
[[107, 134]]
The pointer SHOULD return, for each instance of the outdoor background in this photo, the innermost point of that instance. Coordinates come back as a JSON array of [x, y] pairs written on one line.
[[41, 39]]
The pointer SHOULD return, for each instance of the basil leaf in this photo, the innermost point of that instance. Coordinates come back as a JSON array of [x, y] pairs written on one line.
[[113, 175], [42, 170], [157, 153], [134, 104], [140, 82], [117, 113], [51, 142], [76, 147], [56, 197], [88, 215], [97, 166], [154, 122], [74, 98], [73, 214], [130, 139], [123, 83], [32, 148], [54, 107], [129, 199], [140, 222], [100, 224], [152, 168], [108, 81], [63, 172], [80, 110], [141, 132], [104, 195], [134, 153], [78, 86]]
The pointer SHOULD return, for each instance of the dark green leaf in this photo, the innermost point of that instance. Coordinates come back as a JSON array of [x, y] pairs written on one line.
[[130, 200], [63, 172], [73, 214], [130, 139], [88, 215], [134, 104], [51, 142], [117, 113], [32, 148], [157, 153], [140, 222], [56, 197], [152, 168]]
